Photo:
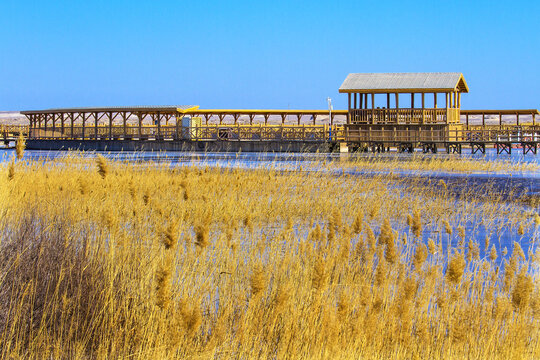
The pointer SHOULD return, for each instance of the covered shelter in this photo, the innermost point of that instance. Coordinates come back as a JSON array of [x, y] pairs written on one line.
[[365, 90]]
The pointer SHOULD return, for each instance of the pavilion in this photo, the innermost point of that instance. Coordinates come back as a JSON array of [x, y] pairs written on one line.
[[365, 90]]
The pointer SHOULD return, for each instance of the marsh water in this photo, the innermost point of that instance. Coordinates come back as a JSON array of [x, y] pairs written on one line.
[[505, 183]]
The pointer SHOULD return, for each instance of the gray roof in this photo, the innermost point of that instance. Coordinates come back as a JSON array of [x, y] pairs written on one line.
[[160, 108], [403, 82]]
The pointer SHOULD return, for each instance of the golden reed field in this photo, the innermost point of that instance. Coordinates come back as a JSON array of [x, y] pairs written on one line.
[[105, 259]]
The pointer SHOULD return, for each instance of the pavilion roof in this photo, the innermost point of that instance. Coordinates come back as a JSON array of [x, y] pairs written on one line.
[[403, 83]]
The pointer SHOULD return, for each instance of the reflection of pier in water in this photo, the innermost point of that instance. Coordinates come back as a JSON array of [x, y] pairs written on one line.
[[374, 121]]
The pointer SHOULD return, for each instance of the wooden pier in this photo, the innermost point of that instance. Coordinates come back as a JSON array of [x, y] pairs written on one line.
[[385, 111]]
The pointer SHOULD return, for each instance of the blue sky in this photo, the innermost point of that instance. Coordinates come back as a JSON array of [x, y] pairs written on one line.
[[258, 54]]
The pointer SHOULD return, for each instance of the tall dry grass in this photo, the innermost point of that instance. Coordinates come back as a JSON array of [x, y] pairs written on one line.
[[102, 259]]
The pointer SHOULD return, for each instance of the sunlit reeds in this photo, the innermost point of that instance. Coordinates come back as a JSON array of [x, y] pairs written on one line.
[[103, 259]]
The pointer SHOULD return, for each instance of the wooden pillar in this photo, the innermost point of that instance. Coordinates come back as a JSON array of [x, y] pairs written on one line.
[[283, 116], [534, 119], [235, 117], [266, 116], [53, 124], [158, 116], [372, 108], [124, 124], [397, 100], [412, 100], [45, 121], [355, 106], [483, 119], [251, 116], [423, 107], [388, 100], [517, 119], [365, 101], [435, 100], [500, 121], [361, 96], [459, 100], [467, 121], [83, 124], [314, 116], [299, 116], [349, 107], [447, 96], [62, 123], [96, 124], [70, 115], [140, 116], [110, 125]]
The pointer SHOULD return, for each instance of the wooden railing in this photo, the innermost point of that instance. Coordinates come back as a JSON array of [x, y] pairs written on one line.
[[404, 116], [317, 133], [443, 134], [14, 129]]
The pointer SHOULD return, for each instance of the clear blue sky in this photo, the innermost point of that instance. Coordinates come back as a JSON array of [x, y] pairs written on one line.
[[258, 54]]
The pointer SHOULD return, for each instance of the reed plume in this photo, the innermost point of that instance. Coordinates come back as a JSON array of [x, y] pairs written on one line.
[[103, 167], [456, 267], [20, 146]]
